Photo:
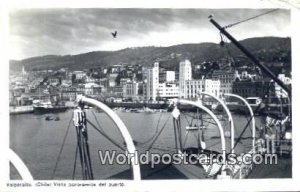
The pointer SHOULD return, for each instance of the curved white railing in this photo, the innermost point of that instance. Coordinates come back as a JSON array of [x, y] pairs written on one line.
[[19, 165], [221, 131], [123, 129], [251, 115], [229, 117]]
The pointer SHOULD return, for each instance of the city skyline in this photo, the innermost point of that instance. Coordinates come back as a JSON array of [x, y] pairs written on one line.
[[37, 32]]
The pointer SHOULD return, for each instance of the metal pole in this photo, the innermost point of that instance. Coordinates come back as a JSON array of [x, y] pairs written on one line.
[[175, 133], [251, 57]]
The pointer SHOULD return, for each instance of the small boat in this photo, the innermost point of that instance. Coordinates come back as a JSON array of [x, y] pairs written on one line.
[[47, 107], [191, 128], [148, 110], [56, 118], [49, 118]]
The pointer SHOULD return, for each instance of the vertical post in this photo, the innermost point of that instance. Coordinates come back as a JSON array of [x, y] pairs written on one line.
[[79, 119]]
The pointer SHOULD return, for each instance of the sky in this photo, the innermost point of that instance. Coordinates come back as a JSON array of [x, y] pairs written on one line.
[[37, 32]]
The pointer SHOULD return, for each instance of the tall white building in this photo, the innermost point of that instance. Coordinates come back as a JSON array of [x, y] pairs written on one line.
[[185, 74], [170, 76], [189, 88], [153, 82]]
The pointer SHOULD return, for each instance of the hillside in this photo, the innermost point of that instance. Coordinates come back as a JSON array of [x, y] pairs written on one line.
[[266, 48]]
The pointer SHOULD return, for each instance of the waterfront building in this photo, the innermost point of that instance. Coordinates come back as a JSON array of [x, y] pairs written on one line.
[[166, 76], [194, 87], [185, 74], [68, 93], [153, 82], [168, 90], [253, 88], [189, 88], [226, 79], [92, 89], [113, 92], [130, 90]]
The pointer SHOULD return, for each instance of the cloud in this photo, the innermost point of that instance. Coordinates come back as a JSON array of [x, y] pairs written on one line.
[[35, 32]]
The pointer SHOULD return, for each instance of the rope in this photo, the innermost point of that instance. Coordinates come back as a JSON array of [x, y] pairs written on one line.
[[75, 162], [163, 127], [61, 148], [242, 21], [106, 136], [97, 120], [153, 136]]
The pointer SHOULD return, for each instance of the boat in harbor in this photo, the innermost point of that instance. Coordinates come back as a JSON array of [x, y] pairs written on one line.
[[13, 110], [48, 107]]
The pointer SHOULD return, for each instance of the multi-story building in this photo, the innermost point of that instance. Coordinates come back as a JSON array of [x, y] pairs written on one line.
[[212, 86], [116, 91], [194, 87], [166, 76], [68, 93], [92, 89], [168, 90], [189, 88], [251, 88], [79, 75], [153, 82], [185, 74], [226, 79], [130, 90], [278, 90]]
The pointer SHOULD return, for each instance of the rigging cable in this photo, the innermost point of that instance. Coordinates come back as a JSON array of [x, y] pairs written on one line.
[[75, 162], [100, 127], [242, 21], [153, 136], [163, 127], [106, 136], [61, 149]]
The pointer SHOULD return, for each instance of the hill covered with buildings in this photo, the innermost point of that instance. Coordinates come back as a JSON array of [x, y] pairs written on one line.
[[273, 51], [151, 74]]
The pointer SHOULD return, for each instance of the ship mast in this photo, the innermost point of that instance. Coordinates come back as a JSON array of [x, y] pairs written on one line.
[[251, 57]]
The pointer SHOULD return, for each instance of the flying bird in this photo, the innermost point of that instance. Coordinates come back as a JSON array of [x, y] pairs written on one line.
[[114, 34]]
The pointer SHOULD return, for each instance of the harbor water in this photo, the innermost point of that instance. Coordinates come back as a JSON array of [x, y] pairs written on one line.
[[38, 142]]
